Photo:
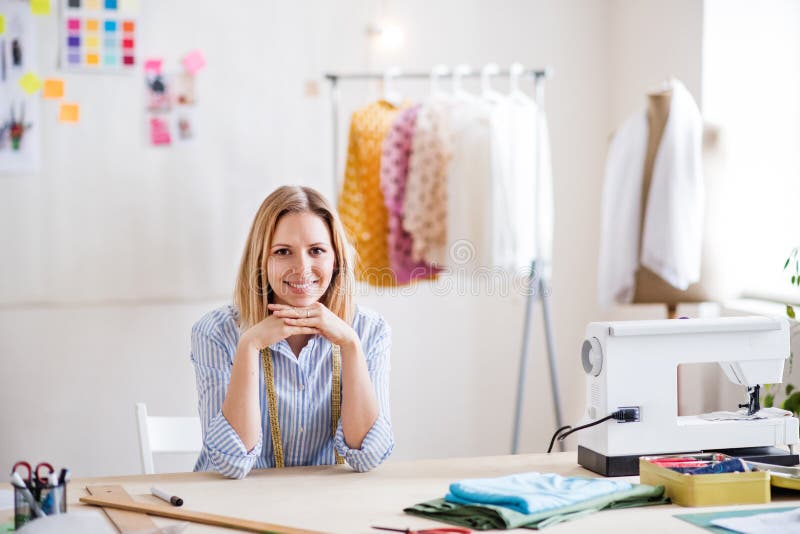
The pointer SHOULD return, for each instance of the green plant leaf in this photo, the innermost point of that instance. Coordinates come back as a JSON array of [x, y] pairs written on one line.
[[792, 403], [789, 389], [785, 265], [769, 400], [790, 311]]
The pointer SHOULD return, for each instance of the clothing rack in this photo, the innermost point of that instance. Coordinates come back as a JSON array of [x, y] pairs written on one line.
[[535, 289]]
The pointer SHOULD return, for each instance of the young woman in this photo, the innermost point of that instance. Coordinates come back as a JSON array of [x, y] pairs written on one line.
[[293, 373]]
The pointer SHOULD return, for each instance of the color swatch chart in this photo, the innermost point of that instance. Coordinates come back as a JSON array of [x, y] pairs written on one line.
[[99, 35]]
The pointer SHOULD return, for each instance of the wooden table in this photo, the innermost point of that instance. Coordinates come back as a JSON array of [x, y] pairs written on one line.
[[337, 499]]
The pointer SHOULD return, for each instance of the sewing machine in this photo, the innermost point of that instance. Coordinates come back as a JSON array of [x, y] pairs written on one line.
[[634, 364]]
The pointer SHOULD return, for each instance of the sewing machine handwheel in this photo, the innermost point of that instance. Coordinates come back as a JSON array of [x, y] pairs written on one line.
[[592, 356]]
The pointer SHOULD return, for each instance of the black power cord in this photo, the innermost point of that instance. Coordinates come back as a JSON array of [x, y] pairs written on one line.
[[623, 415]]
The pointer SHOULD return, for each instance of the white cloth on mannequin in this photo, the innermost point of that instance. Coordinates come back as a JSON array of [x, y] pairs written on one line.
[[671, 243]]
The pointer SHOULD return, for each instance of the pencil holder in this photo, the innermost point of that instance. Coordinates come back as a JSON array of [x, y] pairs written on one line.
[[30, 504]]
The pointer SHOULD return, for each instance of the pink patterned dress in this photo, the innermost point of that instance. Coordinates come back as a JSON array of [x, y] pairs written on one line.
[[396, 152]]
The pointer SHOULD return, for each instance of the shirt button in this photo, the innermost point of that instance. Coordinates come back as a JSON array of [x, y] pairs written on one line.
[[301, 429], [302, 386]]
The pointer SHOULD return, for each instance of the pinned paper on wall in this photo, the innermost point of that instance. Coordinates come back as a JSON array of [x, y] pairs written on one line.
[[53, 88], [30, 83], [171, 100], [129, 6], [40, 7], [20, 137], [69, 112], [184, 89], [194, 61], [152, 66], [99, 36], [158, 88], [159, 131]]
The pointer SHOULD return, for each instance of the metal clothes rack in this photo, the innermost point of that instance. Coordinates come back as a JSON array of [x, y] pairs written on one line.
[[535, 289]]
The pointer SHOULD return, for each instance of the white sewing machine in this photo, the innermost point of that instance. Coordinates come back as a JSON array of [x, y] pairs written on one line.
[[634, 364]]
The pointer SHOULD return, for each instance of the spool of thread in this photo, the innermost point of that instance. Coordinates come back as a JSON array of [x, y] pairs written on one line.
[[734, 465]]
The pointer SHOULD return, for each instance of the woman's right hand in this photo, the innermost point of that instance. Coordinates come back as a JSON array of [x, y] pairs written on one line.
[[271, 330]]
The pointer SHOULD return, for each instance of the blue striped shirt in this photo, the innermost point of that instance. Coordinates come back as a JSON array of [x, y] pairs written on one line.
[[303, 390]]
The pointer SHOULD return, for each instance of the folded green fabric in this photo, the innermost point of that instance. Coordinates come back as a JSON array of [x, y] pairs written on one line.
[[487, 517]]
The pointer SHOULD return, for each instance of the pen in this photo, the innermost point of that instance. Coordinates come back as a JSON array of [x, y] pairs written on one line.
[[55, 504], [172, 499], [17, 482]]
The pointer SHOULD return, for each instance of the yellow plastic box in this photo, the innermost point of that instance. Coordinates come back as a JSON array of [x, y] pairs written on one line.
[[706, 490]]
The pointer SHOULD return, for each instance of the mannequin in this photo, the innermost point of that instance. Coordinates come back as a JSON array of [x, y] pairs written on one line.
[[649, 287]]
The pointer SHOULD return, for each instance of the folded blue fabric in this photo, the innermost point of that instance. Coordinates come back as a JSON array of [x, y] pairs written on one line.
[[530, 493]]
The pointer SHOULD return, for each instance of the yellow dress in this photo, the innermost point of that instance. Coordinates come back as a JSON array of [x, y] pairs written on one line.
[[361, 204]]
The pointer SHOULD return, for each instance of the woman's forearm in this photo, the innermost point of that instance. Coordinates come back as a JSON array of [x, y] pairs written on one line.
[[359, 404], [241, 407]]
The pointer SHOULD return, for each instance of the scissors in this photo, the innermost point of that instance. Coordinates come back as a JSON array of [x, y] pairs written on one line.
[[33, 474], [437, 530]]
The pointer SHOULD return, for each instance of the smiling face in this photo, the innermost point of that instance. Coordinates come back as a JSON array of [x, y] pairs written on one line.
[[301, 259]]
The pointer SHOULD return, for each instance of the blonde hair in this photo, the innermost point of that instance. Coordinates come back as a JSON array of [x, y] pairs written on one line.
[[252, 293]]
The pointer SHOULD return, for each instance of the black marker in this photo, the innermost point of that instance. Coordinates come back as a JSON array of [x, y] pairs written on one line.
[[172, 499]]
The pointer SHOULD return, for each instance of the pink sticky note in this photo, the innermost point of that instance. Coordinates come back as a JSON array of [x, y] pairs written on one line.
[[159, 132], [194, 61], [153, 65]]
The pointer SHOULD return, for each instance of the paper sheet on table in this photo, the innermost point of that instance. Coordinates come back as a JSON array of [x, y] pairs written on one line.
[[741, 415], [70, 523], [2, 24], [768, 523], [6, 499]]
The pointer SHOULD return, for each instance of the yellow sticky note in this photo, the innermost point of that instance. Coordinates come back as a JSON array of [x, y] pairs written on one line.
[[2, 24], [30, 83], [92, 41], [53, 88], [40, 7], [92, 59], [69, 113], [92, 25], [92, 4]]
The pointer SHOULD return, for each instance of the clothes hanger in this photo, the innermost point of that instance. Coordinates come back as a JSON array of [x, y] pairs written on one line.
[[437, 72], [460, 71], [389, 93], [515, 73], [487, 93]]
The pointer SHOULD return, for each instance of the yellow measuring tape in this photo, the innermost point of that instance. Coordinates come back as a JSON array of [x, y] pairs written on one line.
[[272, 401]]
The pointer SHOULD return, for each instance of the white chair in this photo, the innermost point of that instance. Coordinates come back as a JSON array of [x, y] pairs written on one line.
[[166, 435]]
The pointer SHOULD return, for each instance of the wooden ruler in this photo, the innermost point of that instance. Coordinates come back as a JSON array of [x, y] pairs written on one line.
[[196, 517], [126, 522]]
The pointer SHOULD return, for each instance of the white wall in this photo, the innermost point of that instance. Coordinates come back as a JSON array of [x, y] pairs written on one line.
[[138, 224], [651, 41], [751, 87]]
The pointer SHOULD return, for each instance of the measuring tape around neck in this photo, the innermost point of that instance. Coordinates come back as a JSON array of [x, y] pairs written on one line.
[[272, 401]]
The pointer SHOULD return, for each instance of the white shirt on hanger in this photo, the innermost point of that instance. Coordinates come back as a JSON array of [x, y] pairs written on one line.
[[522, 186], [469, 183]]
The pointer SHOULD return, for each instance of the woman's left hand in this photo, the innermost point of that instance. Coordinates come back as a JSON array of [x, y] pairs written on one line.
[[317, 316]]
